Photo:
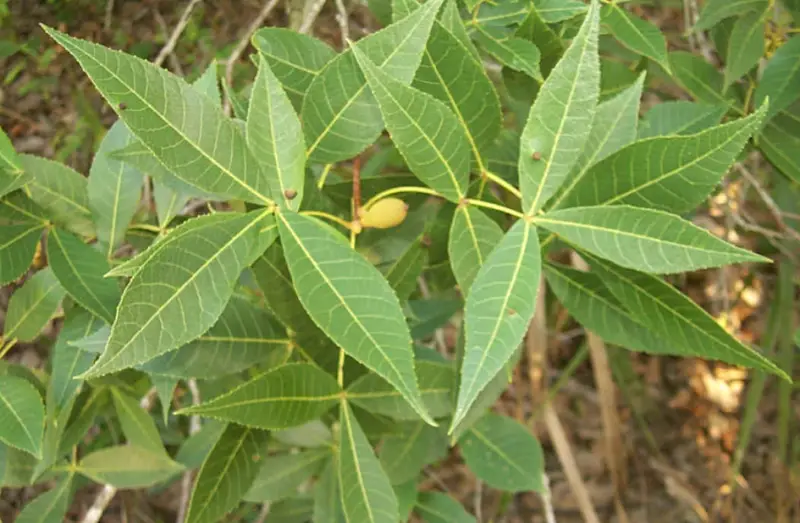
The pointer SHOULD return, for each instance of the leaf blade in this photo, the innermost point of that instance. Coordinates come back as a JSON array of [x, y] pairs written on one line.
[[21, 415]]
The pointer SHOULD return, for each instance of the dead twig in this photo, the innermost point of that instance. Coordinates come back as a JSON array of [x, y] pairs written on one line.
[[174, 63], [244, 41], [310, 14], [343, 19], [108, 15], [183, 21]]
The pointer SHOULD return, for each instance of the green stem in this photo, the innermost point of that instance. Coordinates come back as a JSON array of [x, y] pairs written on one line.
[[324, 176], [495, 206], [398, 190], [8, 347], [344, 223], [502, 183]]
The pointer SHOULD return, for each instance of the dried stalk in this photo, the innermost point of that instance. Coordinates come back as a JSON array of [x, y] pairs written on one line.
[[176, 33]]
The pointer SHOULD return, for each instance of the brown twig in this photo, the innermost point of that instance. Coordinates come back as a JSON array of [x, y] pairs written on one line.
[[310, 14], [174, 63], [183, 21], [343, 19], [244, 41]]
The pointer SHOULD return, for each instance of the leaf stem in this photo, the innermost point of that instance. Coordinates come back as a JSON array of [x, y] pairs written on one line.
[[344, 223], [324, 176], [398, 190], [8, 347], [146, 227], [340, 371], [492, 177], [495, 206]]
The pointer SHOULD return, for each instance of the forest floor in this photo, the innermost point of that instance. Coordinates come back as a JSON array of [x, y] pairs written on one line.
[[680, 418]]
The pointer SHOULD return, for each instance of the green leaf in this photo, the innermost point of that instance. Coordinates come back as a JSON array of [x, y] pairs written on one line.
[[700, 79], [640, 36], [425, 131], [17, 247], [208, 83], [780, 142], [9, 161], [780, 81], [279, 476], [501, 14], [193, 139], [180, 291], [80, 269], [114, 189], [653, 173], [165, 390], [293, 510], [435, 507], [68, 361], [296, 59], [473, 235], [366, 492], [679, 117], [404, 273], [669, 314], [504, 454], [515, 53], [169, 202], [226, 474], [405, 454], [452, 72], [501, 302], [554, 11], [560, 119], [340, 116], [745, 46], [375, 395], [613, 127], [49, 507], [588, 300], [139, 428], [243, 336], [128, 467], [61, 192], [276, 138], [715, 11], [327, 503], [283, 397], [329, 277], [196, 447], [32, 305], [614, 77], [643, 239], [21, 415]]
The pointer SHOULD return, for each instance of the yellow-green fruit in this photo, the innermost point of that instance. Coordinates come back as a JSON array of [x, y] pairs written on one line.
[[384, 214]]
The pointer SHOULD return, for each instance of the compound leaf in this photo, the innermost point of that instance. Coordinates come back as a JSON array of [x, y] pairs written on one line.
[[643, 239], [21, 415], [636, 34], [504, 454], [80, 269], [128, 467], [472, 237], [500, 304], [276, 138], [340, 116], [329, 277], [180, 291], [283, 397], [425, 131], [227, 473], [560, 119], [185, 130], [366, 492], [32, 305]]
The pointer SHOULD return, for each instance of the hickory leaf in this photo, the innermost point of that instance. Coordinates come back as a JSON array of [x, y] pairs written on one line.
[[226, 474], [436, 507], [780, 81], [515, 53], [699, 78], [715, 11], [138, 426], [745, 46], [128, 466], [340, 117], [196, 273], [654, 172], [80, 269], [501, 302], [679, 117], [636, 34], [279, 476], [32, 305], [425, 131], [113, 189], [643, 239], [472, 237], [560, 120], [21, 415], [184, 129], [328, 277], [276, 138], [671, 315], [283, 397], [366, 492], [17, 246], [504, 454], [294, 58]]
